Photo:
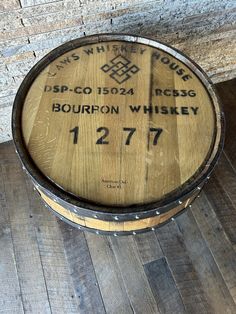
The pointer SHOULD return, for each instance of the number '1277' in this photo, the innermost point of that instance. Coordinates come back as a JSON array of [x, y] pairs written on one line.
[[103, 132]]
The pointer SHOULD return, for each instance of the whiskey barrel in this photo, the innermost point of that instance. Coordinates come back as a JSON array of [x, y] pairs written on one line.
[[118, 133]]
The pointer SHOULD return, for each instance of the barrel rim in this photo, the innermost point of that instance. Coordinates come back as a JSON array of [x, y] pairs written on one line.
[[118, 232], [89, 207]]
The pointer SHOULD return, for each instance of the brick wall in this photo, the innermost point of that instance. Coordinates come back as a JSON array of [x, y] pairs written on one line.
[[204, 30]]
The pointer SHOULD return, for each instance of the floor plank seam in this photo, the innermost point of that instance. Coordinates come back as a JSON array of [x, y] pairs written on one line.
[[212, 253], [13, 246], [67, 262], [43, 271], [233, 203], [174, 278], [99, 289], [232, 166], [122, 275], [17, 271], [218, 221]]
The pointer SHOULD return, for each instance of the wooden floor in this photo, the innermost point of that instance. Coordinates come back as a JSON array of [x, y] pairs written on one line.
[[187, 266]]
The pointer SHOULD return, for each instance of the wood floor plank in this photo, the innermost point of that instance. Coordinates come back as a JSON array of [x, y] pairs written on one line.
[[57, 273], [182, 268], [82, 270], [148, 247], [163, 287], [29, 268], [7, 153], [226, 175], [221, 192], [108, 274], [83, 285], [227, 94], [10, 290], [217, 241], [208, 272], [134, 277], [188, 265], [223, 205]]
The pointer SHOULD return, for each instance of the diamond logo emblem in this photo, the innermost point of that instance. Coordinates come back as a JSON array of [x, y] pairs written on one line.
[[120, 69]]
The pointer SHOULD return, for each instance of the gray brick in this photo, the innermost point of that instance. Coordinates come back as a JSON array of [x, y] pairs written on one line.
[[28, 3], [9, 5], [42, 9], [41, 53], [5, 124], [5, 80], [8, 87], [7, 101], [12, 43], [51, 43], [58, 17], [67, 34], [28, 33], [10, 51], [10, 20], [89, 7], [17, 58], [98, 27], [11, 90], [18, 18], [20, 68]]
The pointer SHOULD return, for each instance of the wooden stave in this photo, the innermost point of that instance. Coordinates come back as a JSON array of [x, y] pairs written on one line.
[[111, 216], [147, 213], [90, 209], [117, 232]]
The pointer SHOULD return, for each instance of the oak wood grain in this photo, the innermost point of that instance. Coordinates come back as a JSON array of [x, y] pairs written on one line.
[[109, 275], [60, 288], [113, 227], [183, 270], [205, 265], [78, 268], [142, 300], [10, 286], [27, 258], [163, 287], [217, 240], [86, 288], [61, 129], [148, 247]]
